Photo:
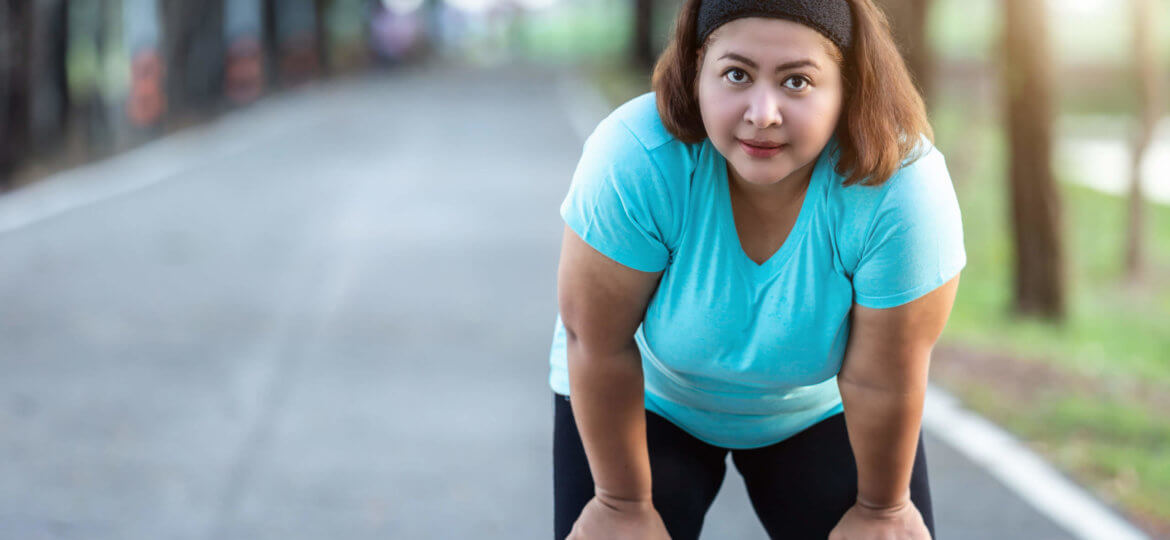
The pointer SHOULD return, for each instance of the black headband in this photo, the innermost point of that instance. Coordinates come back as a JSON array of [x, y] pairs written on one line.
[[829, 17]]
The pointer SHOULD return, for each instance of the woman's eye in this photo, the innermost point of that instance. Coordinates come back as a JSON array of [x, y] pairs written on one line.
[[736, 75], [796, 82]]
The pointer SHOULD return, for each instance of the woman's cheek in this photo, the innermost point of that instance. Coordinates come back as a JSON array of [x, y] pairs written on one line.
[[816, 119]]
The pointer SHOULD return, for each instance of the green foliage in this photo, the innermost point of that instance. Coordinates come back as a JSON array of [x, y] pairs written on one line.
[[963, 29], [579, 31], [1112, 330]]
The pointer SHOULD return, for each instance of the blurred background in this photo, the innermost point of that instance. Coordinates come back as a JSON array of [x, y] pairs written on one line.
[[287, 267]]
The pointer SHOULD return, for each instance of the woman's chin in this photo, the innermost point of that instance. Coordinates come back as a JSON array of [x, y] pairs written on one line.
[[765, 178]]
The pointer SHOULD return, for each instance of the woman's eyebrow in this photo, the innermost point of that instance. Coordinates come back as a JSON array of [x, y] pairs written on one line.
[[803, 62]]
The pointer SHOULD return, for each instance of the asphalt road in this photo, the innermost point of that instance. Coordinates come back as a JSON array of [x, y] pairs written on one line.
[[324, 316]]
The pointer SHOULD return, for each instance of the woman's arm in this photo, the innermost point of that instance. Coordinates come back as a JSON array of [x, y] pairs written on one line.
[[883, 384], [602, 303]]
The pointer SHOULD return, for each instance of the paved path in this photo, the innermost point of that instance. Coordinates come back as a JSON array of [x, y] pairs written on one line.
[[326, 316]]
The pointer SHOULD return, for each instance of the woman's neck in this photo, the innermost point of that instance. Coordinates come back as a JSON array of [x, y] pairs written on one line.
[[771, 198]]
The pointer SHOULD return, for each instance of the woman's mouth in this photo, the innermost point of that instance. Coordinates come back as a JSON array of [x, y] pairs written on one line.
[[761, 150]]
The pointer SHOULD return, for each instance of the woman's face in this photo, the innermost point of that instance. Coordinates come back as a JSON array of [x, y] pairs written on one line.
[[770, 94]]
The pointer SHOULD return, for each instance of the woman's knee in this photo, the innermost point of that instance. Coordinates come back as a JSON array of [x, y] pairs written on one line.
[[804, 484], [920, 486], [686, 473]]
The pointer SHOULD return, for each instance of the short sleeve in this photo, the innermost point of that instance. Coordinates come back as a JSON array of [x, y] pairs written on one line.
[[914, 242], [617, 201]]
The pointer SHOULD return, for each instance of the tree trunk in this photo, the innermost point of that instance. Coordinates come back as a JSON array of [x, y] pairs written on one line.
[[321, 35], [908, 20], [15, 83], [270, 43], [1149, 95], [194, 49], [1035, 203], [244, 38], [296, 39], [49, 88], [642, 39]]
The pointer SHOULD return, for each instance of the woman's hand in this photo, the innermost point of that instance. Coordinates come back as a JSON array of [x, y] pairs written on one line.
[[901, 522], [605, 519]]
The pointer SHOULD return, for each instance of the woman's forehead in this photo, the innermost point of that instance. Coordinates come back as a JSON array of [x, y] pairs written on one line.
[[768, 40]]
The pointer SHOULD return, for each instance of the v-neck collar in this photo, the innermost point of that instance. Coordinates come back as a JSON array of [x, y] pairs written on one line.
[[727, 217]]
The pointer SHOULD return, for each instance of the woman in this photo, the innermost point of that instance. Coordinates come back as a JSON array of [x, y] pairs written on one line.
[[757, 260]]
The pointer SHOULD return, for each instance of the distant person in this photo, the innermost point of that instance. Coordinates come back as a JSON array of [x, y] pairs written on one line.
[[758, 258]]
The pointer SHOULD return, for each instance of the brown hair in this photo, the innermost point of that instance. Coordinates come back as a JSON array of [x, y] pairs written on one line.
[[883, 117]]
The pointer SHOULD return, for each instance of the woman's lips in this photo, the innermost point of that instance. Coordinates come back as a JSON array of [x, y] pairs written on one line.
[[760, 151]]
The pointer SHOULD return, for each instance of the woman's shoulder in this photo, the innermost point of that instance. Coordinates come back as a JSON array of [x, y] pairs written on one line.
[[638, 121], [640, 116], [924, 170], [630, 184], [919, 194], [632, 136], [904, 237]]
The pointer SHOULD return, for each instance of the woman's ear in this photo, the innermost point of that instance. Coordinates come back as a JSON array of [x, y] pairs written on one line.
[[700, 52], [698, 71]]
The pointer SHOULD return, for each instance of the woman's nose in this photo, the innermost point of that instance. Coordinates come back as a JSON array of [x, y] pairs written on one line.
[[763, 109]]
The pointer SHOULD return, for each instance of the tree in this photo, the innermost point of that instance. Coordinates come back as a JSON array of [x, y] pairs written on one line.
[[321, 40], [15, 75], [909, 20], [1149, 96], [1035, 205], [193, 45], [642, 42], [49, 83], [294, 23]]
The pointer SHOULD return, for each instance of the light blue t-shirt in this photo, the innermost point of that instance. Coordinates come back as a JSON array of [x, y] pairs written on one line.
[[740, 354]]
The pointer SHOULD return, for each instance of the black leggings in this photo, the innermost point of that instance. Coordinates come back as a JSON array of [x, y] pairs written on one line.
[[799, 487]]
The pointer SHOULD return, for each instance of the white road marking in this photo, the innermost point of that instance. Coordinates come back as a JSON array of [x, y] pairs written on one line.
[[1034, 480]]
